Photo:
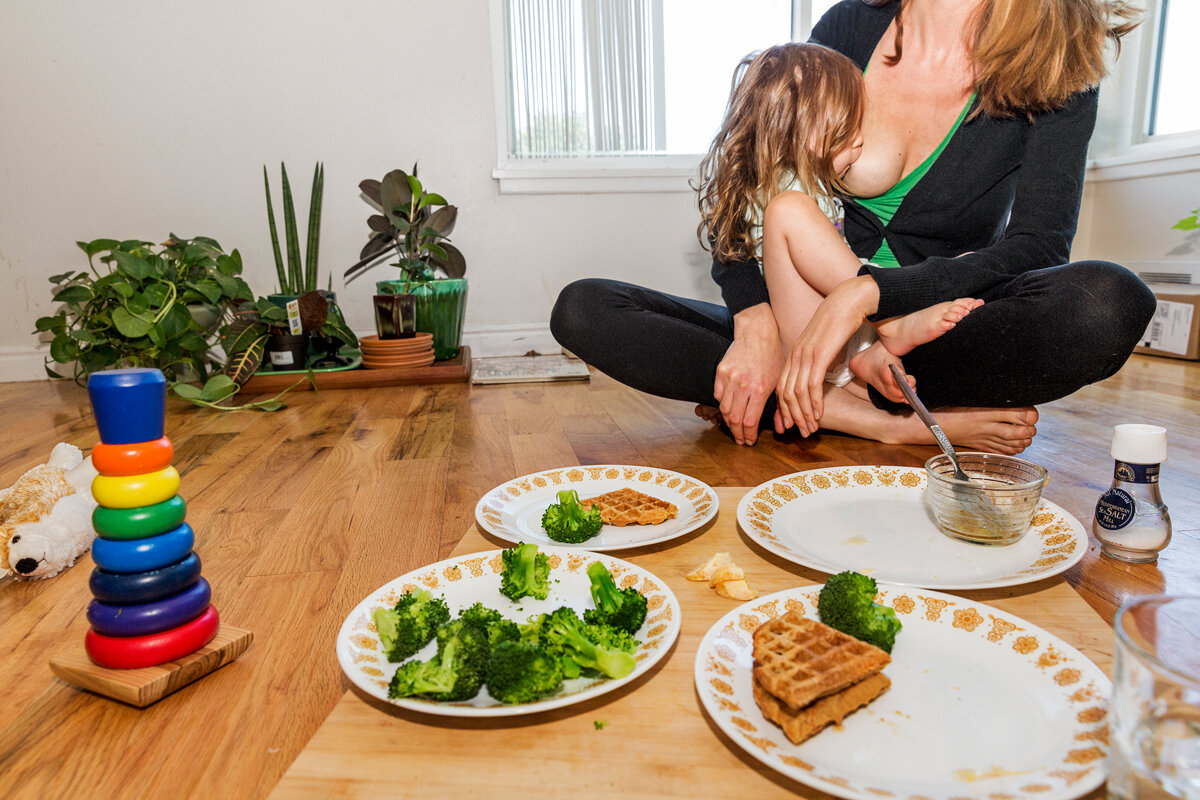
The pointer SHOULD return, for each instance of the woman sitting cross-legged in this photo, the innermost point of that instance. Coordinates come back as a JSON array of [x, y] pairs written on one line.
[[966, 189]]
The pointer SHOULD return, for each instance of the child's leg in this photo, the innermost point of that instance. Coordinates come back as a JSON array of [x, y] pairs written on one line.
[[804, 257]]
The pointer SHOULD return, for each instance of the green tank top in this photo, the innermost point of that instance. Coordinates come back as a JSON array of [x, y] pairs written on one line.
[[884, 206]]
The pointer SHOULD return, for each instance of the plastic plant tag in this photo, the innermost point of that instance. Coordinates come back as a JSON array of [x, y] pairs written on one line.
[[293, 314]]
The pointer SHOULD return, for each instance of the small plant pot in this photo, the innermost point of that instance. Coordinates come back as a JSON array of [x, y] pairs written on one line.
[[287, 351], [395, 316]]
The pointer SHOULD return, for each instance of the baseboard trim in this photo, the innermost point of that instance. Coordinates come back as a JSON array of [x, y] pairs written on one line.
[[22, 364], [485, 341]]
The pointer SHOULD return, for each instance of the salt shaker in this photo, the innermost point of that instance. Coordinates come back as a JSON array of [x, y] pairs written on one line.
[[1131, 521]]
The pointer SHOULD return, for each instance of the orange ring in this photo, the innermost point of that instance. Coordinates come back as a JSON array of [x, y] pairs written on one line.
[[119, 460]]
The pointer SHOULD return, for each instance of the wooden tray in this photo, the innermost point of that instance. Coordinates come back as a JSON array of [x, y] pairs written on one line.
[[657, 743], [451, 370]]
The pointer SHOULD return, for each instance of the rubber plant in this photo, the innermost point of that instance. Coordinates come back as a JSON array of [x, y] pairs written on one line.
[[131, 307], [414, 225]]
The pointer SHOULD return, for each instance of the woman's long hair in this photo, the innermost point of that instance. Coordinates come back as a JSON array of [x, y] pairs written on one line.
[[792, 108], [1031, 55]]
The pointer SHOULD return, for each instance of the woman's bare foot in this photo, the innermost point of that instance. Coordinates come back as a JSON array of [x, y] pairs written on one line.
[[871, 366], [995, 430], [900, 335]]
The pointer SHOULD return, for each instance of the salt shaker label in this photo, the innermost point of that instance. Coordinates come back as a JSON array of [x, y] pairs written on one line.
[[1114, 509], [1136, 473]]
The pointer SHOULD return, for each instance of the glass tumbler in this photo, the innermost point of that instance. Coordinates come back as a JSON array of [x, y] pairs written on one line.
[[1155, 712]]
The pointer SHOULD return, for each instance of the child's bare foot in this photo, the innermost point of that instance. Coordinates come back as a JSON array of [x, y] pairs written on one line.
[[871, 365], [900, 335], [709, 414]]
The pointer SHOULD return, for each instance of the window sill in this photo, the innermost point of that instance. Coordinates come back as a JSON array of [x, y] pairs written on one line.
[[1147, 160], [592, 176]]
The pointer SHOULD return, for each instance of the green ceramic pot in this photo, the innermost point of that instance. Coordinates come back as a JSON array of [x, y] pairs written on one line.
[[441, 310]]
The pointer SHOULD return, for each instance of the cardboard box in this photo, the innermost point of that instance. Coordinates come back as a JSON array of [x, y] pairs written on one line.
[[1175, 329]]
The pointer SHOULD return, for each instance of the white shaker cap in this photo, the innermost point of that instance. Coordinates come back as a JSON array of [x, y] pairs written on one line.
[[1139, 444]]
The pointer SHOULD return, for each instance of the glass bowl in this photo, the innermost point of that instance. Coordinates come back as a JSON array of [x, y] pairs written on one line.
[[999, 510]]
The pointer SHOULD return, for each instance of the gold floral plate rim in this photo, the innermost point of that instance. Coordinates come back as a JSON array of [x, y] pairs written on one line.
[[465, 579], [527, 496], [1060, 537], [1077, 688]]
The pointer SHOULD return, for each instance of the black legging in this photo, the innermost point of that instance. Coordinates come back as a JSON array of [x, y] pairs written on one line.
[[1038, 337]]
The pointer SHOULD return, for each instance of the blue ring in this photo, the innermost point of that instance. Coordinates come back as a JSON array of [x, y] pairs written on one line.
[[144, 587], [148, 618], [143, 555]]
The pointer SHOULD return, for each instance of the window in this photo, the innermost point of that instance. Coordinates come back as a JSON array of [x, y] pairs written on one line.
[[1173, 108], [622, 95], [1149, 122]]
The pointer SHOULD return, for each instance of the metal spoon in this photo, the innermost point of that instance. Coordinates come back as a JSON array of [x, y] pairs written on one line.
[[973, 501]]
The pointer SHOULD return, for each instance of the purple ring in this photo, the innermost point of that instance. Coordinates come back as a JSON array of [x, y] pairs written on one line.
[[148, 618]]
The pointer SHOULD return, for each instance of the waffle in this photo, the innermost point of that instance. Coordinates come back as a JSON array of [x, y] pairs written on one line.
[[630, 507], [799, 660], [799, 725]]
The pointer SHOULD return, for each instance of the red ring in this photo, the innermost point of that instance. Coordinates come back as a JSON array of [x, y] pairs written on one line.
[[135, 652], [119, 460]]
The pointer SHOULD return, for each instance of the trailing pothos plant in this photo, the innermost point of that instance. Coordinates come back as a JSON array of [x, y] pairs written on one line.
[[412, 224], [131, 307]]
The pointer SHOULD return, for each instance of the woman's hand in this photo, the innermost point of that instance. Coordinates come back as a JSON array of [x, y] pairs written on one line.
[[801, 401], [749, 371]]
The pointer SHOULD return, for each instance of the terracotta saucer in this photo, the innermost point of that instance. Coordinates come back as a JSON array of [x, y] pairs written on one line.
[[421, 339], [424, 361]]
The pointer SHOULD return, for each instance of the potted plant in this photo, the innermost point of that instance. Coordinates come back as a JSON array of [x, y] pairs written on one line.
[[413, 224], [143, 305], [298, 279]]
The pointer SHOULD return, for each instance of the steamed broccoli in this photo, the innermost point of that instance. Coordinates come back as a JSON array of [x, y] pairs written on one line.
[[564, 634], [526, 572], [410, 624], [847, 602], [521, 672], [455, 673], [497, 627], [620, 608], [568, 521]]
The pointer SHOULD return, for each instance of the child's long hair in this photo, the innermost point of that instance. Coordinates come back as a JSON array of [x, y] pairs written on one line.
[[792, 108]]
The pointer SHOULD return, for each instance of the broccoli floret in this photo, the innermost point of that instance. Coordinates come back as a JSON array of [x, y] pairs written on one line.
[[520, 672], [568, 521], [610, 636], [847, 602], [455, 673], [564, 634], [526, 572], [620, 608], [410, 624], [497, 627]]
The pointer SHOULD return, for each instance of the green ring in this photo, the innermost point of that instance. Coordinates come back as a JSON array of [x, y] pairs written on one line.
[[138, 523]]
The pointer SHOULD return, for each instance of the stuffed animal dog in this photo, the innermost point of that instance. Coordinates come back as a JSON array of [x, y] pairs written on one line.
[[46, 516]]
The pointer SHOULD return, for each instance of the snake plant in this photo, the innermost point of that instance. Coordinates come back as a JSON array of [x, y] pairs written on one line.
[[298, 277]]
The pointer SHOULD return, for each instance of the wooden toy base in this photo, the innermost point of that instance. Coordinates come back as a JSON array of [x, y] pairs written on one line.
[[141, 687]]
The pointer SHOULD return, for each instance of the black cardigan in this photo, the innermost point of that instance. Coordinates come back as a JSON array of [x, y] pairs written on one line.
[[1006, 189]]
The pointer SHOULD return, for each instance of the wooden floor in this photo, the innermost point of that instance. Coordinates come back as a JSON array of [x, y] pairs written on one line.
[[301, 513]]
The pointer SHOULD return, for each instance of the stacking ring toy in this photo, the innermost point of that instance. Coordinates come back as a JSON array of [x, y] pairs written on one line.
[[143, 555], [134, 652], [130, 404], [146, 618], [140, 522], [132, 491], [132, 459], [144, 587]]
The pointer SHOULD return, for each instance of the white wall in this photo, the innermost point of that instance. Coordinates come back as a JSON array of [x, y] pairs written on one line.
[[138, 118]]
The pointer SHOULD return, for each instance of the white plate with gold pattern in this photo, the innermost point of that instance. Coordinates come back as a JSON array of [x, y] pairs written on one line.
[[982, 704], [876, 520], [513, 511], [466, 580]]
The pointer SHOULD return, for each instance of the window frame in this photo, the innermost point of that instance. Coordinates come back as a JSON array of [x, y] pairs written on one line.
[[667, 172], [1134, 153]]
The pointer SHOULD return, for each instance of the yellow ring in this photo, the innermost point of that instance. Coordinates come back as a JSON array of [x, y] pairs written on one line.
[[133, 491]]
